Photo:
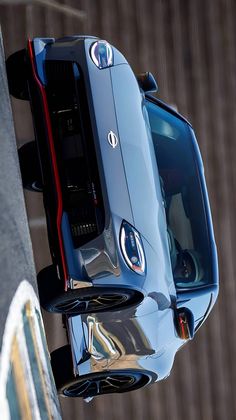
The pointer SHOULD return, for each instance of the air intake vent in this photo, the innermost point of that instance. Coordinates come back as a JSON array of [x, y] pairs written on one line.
[[83, 228], [76, 156]]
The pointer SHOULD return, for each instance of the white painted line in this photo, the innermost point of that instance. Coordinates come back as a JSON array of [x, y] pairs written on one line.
[[14, 327], [23, 293], [29, 382], [51, 388]]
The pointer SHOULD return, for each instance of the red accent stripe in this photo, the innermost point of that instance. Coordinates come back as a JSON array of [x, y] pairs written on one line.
[[54, 161]]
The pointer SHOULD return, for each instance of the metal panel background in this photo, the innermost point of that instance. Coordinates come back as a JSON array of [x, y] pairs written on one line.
[[191, 48]]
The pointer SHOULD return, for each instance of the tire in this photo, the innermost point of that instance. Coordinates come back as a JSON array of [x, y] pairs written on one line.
[[80, 301], [17, 75], [30, 168], [91, 385]]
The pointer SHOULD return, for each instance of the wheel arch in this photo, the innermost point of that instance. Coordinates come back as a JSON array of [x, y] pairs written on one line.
[[122, 379]]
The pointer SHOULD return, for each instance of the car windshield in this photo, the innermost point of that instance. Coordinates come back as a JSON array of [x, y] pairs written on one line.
[[185, 202]]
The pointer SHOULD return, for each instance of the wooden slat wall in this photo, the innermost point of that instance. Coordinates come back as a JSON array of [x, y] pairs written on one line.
[[191, 48]]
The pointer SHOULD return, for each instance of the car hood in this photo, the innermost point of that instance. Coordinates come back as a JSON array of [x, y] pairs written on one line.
[[138, 155], [142, 176], [140, 337]]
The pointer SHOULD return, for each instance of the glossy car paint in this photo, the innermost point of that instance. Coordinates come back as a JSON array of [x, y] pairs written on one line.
[[143, 336], [101, 259]]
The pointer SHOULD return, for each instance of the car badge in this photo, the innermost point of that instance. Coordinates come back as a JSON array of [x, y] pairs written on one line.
[[112, 139]]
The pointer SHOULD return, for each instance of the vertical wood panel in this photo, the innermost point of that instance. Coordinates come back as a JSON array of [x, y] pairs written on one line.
[[159, 49]]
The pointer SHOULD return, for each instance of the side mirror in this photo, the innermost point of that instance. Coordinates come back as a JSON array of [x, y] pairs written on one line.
[[184, 322], [147, 82]]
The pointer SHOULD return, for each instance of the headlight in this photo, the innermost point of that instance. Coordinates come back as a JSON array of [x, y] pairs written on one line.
[[132, 248], [102, 54]]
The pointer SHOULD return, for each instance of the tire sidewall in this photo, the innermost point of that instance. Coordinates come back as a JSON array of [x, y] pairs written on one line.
[[133, 297], [144, 379]]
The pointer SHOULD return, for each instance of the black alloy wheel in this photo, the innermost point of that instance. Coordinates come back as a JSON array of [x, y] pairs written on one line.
[[80, 301], [105, 383], [97, 300]]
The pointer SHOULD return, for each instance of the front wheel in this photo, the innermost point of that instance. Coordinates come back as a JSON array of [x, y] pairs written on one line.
[[16, 73], [79, 301], [30, 167], [94, 384]]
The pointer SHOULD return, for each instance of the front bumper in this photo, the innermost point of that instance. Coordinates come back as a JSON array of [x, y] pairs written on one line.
[[95, 258]]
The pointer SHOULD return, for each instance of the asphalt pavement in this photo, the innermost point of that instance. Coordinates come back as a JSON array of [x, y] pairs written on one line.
[[27, 388], [16, 256]]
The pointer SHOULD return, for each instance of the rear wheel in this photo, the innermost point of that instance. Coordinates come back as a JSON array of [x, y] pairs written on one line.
[[91, 385], [16, 72], [29, 166], [78, 301]]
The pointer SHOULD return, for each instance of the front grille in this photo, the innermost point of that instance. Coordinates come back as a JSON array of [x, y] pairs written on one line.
[[76, 157]]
